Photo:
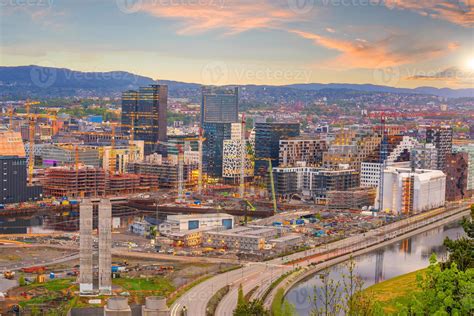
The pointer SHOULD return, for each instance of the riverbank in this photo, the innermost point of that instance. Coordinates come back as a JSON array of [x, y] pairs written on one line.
[[395, 291], [413, 228]]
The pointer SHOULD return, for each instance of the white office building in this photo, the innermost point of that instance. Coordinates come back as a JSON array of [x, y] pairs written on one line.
[[183, 223]]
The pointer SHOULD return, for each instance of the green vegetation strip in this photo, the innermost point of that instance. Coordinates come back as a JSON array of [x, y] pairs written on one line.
[[186, 288], [140, 288], [395, 291], [281, 307], [215, 299], [276, 282]]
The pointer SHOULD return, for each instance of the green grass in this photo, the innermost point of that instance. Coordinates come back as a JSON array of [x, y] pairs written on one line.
[[152, 284], [395, 291], [56, 285]]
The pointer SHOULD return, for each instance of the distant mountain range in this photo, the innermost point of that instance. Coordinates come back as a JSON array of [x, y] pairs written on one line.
[[38, 81]]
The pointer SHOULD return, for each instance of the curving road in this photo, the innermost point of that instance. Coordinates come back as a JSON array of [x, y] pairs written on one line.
[[263, 274]]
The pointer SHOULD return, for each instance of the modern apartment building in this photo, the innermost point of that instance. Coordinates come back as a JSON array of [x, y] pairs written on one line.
[[469, 149], [424, 156], [456, 170], [306, 149], [442, 138], [313, 182]]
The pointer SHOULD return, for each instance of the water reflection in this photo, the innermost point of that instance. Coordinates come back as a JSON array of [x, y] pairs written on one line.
[[395, 259]]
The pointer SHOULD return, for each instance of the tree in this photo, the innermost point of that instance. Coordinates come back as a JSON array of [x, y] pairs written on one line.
[[326, 300], [251, 308], [461, 251], [443, 292], [355, 301]]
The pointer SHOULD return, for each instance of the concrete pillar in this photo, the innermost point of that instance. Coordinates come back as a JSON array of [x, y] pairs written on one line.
[[105, 245], [85, 250], [155, 306], [117, 306]]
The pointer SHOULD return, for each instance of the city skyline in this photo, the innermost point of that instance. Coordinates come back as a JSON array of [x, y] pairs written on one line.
[[393, 43]]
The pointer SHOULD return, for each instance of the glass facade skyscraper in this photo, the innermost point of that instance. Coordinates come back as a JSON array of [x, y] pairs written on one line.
[[147, 108], [213, 147], [219, 105], [267, 142]]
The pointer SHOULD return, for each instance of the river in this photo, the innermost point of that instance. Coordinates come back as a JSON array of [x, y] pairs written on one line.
[[388, 262]]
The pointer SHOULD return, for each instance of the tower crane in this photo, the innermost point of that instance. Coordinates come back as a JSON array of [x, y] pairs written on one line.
[[243, 150], [180, 198], [272, 183]]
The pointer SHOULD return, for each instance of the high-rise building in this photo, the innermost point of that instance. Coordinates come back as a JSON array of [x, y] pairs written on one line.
[[267, 142], [146, 110], [409, 192], [219, 105], [469, 149], [309, 150], [456, 170], [213, 147], [13, 181], [442, 138]]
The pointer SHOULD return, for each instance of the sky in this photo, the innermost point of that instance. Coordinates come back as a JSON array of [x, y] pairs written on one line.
[[400, 43]]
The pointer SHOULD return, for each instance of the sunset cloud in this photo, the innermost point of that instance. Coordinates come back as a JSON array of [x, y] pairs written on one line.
[[361, 53], [459, 12], [231, 15]]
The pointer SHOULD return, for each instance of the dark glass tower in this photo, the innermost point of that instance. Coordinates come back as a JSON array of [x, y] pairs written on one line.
[[147, 108], [267, 142], [219, 105], [213, 147]]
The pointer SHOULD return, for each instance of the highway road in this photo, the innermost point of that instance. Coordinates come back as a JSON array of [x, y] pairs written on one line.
[[263, 274]]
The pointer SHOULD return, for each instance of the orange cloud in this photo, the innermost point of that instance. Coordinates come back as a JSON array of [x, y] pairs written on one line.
[[459, 12], [235, 16], [378, 54]]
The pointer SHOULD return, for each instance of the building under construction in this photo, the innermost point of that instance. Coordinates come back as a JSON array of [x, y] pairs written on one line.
[[353, 199], [166, 173], [74, 182]]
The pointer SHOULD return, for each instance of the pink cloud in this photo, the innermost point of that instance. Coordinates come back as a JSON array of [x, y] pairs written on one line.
[[459, 12], [232, 15], [376, 54]]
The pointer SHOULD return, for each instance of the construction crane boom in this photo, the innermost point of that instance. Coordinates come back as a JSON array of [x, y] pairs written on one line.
[[272, 183], [242, 158], [180, 188]]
